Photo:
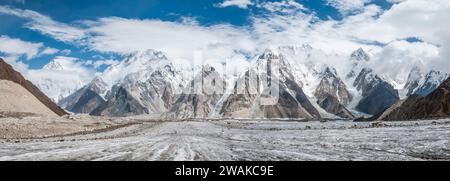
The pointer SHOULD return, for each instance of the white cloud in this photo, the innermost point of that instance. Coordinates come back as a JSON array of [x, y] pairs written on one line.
[[177, 40], [399, 57], [285, 23], [46, 25], [14, 49], [17, 65], [244, 4], [17, 47], [413, 18], [97, 63], [49, 51], [285, 6], [426, 20], [347, 6], [66, 51]]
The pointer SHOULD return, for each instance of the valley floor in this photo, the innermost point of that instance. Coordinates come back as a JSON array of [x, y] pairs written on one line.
[[243, 140]]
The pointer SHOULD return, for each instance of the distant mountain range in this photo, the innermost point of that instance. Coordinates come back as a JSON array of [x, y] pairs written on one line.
[[147, 82]]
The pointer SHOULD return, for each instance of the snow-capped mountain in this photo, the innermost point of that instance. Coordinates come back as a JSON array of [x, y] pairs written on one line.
[[249, 94], [358, 59], [372, 93], [134, 67], [59, 78], [145, 82], [429, 82], [156, 91], [376, 93], [198, 101], [86, 99], [332, 94], [412, 83], [148, 83], [433, 105], [53, 65]]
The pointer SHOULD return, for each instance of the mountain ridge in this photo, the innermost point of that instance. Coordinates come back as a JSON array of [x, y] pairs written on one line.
[[434, 105], [312, 89]]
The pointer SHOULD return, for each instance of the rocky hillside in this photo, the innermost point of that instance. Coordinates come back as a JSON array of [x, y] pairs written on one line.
[[434, 105], [8, 73], [377, 94]]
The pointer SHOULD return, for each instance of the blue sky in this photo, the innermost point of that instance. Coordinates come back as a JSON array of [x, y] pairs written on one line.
[[93, 30]]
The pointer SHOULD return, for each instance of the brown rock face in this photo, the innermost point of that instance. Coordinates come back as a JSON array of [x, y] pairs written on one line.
[[8, 73], [199, 103], [332, 94], [435, 105], [245, 101]]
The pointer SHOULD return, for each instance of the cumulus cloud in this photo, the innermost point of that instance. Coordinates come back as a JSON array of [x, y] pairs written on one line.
[[244, 4]]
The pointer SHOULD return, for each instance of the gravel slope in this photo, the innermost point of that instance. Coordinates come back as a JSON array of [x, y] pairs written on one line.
[[14, 97]]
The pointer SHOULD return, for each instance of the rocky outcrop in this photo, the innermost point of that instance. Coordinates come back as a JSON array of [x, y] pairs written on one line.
[[8, 73], [413, 81], [357, 59], [86, 99], [158, 91], [377, 94], [423, 84], [332, 94], [434, 105], [120, 103], [429, 83]]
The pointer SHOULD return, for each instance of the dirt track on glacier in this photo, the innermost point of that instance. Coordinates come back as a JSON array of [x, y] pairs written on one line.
[[244, 140]]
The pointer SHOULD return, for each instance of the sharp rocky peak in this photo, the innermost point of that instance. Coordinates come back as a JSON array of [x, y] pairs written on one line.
[[360, 55], [415, 74], [208, 68], [269, 54], [145, 57], [53, 65], [328, 72], [97, 82]]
